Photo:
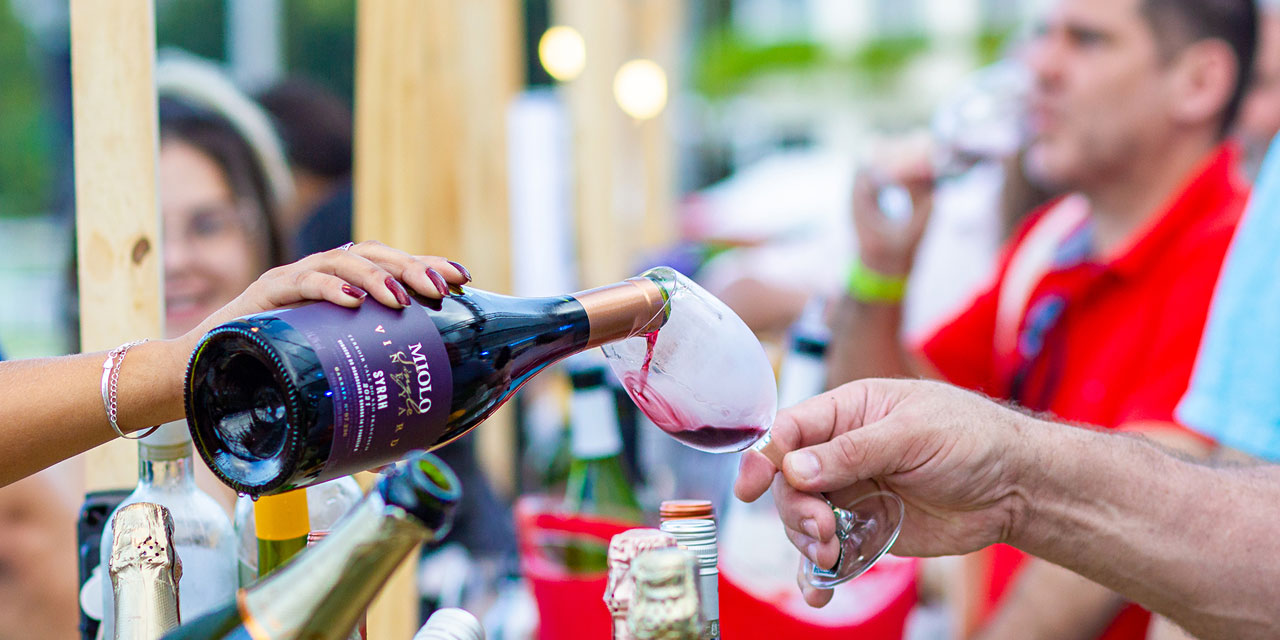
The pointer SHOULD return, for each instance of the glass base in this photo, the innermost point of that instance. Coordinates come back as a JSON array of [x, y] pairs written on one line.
[[867, 528]]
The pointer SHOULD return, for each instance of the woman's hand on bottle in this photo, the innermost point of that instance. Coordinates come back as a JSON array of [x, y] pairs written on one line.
[[344, 276]]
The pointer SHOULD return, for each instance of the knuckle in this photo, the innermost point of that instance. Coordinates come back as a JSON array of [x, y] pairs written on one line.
[[848, 453]]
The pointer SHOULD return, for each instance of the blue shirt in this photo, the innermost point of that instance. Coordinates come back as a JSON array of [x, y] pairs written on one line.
[[1234, 396]]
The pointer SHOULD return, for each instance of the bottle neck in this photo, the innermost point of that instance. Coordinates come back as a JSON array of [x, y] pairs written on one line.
[[324, 594], [146, 603], [165, 467], [633, 307], [144, 570]]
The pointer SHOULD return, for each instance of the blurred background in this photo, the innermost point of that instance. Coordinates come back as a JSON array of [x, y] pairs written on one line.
[[763, 91]]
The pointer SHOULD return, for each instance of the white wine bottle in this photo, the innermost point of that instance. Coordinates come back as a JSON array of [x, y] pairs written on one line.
[[699, 537], [290, 398], [322, 594], [281, 525], [202, 533], [327, 502], [144, 570]]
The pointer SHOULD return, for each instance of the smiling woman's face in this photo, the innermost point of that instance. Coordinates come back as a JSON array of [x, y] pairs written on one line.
[[213, 249]]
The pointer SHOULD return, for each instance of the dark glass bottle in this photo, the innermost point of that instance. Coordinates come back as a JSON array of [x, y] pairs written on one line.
[[598, 485], [323, 593], [289, 398]]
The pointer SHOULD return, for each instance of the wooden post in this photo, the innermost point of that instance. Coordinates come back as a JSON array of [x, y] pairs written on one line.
[[597, 128], [117, 212], [659, 24], [433, 82]]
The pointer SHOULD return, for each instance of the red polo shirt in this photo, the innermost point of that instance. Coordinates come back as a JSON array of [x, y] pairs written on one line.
[[1106, 341]]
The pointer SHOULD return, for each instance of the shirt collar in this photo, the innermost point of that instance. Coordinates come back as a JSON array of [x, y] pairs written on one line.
[[1204, 194]]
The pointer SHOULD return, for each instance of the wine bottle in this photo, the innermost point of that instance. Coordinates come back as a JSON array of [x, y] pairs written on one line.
[[597, 483], [323, 594], [327, 502], [281, 524], [451, 624], [289, 398], [665, 604], [803, 373], [620, 589], [202, 533], [699, 537], [144, 571], [361, 632]]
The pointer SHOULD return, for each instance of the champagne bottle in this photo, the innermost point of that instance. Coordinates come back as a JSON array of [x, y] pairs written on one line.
[[324, 593], [620, 589], [144, 572], [361, 632], [665, 604], [289, 398], [202, 533], [282, 525]]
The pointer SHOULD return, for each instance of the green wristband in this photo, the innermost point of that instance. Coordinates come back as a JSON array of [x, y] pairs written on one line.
[[866, 285]]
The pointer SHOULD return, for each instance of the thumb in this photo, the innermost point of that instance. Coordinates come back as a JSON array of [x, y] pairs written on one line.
[[873, 451]]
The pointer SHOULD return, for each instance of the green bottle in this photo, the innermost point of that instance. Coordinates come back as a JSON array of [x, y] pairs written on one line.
[[598, 483], [324, 593], [282, 524]]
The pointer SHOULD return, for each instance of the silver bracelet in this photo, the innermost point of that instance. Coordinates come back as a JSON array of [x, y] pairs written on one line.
[[110, 384]]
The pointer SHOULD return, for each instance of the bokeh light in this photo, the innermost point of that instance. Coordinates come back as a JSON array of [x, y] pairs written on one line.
[[562, 53], [640, 87]]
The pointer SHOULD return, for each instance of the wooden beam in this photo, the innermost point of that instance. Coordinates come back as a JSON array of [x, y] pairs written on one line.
[[596, 129], [659, 26], [489, 75], [434, 79], [117, 212]]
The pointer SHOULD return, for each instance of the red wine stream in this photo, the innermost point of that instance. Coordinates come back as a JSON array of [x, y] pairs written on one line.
[[668, 417]]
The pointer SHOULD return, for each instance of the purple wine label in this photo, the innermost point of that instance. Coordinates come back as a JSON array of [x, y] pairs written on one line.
[[389, 377]]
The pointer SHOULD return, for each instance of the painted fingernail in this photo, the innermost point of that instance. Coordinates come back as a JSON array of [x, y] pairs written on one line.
[[353, 292], [804, 465], [465, 274], [438, 281], [398, 291], [810, 527]]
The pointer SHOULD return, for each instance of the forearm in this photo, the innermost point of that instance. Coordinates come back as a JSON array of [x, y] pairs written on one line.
[[52, 408], [865, 343], [1189, 541], [1050, 602]]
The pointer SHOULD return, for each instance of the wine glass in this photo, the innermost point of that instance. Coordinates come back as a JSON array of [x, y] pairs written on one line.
[[704, 379], [984, 120]]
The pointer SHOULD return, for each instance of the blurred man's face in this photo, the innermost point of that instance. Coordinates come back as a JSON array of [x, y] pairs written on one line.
[[1099, 96]]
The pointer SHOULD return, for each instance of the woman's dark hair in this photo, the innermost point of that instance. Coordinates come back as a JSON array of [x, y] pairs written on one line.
[[217, 138]]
